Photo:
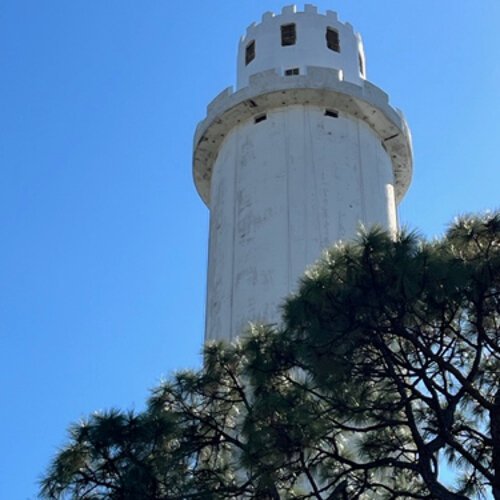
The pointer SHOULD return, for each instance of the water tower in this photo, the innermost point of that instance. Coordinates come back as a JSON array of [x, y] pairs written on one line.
[[302, 152]]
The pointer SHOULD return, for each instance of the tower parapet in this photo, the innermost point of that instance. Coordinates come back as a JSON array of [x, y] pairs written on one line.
[[317, 86], [293, 40], [296, 159]]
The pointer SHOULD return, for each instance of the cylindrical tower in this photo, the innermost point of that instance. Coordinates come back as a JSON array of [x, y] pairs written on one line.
[[297, 158]]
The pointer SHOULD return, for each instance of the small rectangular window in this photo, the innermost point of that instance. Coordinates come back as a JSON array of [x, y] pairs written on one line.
[[332, 113], [332, 39], [292, 71], [361, 65], [250, 52], [260, 118], [288, 34]]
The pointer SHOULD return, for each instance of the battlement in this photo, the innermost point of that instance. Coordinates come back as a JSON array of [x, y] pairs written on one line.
[[295, 39], [318, 87], [291, 10], [311, 77]]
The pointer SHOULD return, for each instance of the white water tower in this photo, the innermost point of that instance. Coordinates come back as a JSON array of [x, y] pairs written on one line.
[[296, 158]]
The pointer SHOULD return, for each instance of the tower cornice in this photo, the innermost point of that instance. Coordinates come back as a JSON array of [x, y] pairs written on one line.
[[319, 87]]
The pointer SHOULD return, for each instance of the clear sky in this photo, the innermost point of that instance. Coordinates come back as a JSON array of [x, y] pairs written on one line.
[[103, 237]]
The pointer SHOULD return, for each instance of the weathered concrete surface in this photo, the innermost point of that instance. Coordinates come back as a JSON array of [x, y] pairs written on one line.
[[282, 191]]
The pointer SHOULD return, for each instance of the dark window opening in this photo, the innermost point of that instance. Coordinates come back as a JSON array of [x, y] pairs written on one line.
[[260, 118], [250, 52], [292, 71], [288, 34], [332, 39], [361, 65], [391, 137], [331, 113]]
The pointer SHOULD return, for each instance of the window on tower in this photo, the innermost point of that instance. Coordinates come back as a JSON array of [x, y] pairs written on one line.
[[332, 39], [250, 52], [292, 71], [288, 34], [361, 64]]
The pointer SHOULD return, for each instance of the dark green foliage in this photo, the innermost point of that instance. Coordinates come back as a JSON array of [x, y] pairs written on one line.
[[403, 335], [386, 367]]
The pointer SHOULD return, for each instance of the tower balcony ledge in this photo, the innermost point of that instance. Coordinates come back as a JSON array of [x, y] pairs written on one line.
[[317, 87]]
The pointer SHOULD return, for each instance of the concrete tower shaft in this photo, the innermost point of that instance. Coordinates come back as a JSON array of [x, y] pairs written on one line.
[[295, 160]]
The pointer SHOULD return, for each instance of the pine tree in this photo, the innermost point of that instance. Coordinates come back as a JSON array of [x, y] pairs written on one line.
[[385, 370]]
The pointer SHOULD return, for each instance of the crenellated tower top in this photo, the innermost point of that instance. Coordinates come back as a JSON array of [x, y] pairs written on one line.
[[289, 42], [301, 58]]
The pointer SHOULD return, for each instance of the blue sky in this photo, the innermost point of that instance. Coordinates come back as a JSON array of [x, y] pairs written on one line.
[[103, 237]]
